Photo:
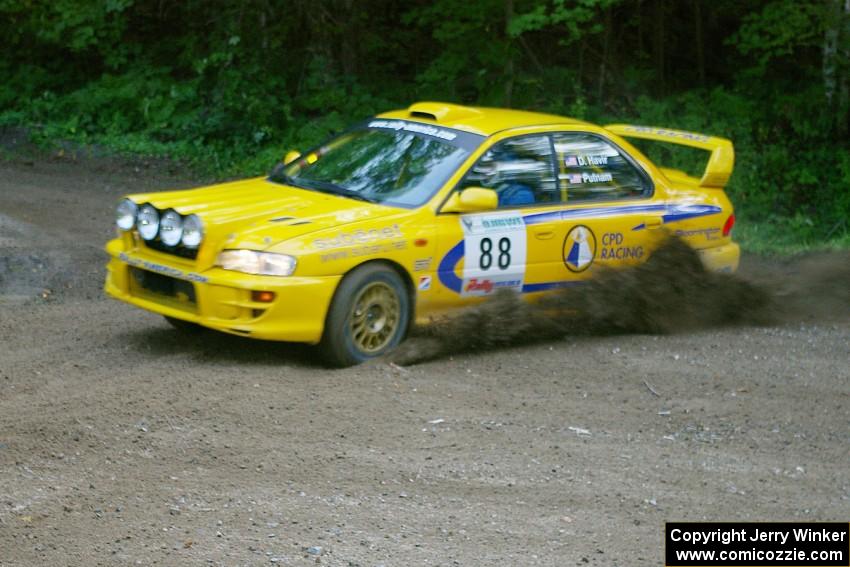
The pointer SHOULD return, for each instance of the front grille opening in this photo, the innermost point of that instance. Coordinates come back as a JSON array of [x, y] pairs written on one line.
[[164, 286]]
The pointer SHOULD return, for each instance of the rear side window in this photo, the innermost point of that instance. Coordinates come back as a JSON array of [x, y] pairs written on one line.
[[592, 169]]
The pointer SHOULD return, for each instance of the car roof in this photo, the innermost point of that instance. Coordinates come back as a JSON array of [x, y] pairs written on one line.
[[476, 119]]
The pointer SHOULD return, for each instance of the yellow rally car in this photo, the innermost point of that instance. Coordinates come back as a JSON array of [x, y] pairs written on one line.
[[409, 215]]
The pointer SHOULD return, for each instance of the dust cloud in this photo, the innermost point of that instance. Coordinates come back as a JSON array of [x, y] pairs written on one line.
[[671, 292]]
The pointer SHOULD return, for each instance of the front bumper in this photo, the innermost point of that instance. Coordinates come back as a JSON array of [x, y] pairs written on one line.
[[221, 299]]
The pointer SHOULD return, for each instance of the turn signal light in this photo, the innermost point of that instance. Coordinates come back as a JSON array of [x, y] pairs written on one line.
[[263, 296]]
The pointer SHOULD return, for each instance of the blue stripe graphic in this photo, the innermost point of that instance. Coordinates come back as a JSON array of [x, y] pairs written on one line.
[[446, 269], [681, 212], [545, 286], [593, 212], [671, 213]]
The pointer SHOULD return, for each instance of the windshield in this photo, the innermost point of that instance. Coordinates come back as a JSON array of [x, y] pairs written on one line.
[[385, 164]]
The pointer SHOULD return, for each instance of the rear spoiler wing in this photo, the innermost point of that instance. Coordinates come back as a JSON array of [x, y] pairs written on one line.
[[720, 164]]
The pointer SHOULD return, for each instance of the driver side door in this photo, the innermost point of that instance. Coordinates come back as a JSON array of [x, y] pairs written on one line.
[[481, 253]]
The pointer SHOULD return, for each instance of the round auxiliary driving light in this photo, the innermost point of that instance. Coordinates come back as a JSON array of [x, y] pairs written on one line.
[[171, 228], [193, 231], [125, 214], [147, 222]]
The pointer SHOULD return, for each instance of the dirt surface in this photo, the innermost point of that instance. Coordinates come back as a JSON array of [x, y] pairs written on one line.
[[123, 442]]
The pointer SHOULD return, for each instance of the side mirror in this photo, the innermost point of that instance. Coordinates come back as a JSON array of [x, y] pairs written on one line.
[[471, 200], [291, 156]]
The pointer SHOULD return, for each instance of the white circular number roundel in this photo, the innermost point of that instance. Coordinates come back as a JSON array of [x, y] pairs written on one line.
[[494, 252]]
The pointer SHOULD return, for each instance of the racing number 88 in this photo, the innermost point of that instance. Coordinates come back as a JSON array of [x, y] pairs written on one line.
[[503, 260]]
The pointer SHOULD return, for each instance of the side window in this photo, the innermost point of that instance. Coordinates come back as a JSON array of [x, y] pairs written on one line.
[[592, 169], [521, 170]]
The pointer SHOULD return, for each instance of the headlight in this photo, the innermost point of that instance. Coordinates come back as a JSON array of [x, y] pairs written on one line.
[[147, 221], [171, 228], [125, 214], [193, 231], [260, 263]]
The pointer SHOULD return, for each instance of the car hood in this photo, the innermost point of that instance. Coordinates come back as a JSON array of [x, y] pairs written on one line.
[[257, 214]]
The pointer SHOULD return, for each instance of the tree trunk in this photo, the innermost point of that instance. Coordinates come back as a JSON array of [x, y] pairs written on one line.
[[658, 39], [606, 43], [844, 70], [836, 69], [698, 39], [830, 51], [639, 15], [348, 43], [509, 56]]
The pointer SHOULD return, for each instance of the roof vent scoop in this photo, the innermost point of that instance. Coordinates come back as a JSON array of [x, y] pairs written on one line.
[[425, 115], [442, 111]]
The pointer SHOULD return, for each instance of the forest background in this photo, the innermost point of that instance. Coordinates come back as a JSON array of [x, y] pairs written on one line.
[[225, 87]]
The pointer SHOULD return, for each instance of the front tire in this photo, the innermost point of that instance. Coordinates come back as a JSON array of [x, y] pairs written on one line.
[[368, 317]]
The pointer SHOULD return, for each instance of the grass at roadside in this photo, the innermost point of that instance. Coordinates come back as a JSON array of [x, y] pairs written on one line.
[[787, 236]]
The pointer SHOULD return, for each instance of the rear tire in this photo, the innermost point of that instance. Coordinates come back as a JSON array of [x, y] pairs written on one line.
[[368, 317], [184, 326]]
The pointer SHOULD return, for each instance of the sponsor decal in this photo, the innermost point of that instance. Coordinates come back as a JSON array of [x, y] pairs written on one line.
[[424, 283], [475, 284], [367, 250], [613, 248], [668, 133], [579, 248], [708, 233], [494, 250], [477, 224], [422, 264], [358, 237], [400, 125], [161, 269], [337, 255]]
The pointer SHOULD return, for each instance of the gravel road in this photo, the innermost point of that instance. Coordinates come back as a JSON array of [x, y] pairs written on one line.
[[123, 442]]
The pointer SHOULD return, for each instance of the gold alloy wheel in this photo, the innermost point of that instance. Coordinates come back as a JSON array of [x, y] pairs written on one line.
[[374, 317]]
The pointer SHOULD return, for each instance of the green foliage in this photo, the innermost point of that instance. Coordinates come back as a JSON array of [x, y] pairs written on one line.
[[575, 19], [779, 28], [230, 86]]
